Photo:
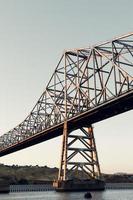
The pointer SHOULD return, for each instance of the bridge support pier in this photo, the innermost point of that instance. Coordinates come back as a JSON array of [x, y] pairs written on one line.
[[79, 167]]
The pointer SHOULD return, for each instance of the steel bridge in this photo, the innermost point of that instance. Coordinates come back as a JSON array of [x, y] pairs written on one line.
[[88, 85]]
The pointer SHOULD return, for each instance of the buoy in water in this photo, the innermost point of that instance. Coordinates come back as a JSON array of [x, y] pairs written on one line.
[[88, 195]]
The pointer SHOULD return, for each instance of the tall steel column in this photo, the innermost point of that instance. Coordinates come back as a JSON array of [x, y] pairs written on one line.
[[79, 158]]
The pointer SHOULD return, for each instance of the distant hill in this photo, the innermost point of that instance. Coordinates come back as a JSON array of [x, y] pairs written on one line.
[[27, 174], [118, 178], [37, 175]]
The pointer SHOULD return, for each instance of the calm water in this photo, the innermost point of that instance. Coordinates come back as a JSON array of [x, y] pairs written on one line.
[[51, 195]]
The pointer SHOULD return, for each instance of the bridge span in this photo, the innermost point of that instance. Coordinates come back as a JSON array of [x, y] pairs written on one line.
[[88, 85], [110, 108]]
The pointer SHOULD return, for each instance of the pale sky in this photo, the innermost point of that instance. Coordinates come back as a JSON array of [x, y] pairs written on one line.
[[33, 35]]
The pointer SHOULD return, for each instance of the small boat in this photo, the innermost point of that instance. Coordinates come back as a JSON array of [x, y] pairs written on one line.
[[87, 195]]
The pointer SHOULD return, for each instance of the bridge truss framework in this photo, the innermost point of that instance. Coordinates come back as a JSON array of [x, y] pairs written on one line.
[[84, 79]]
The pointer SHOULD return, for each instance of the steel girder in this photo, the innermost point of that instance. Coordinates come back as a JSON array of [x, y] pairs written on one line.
[[84, 79], [79, 158]]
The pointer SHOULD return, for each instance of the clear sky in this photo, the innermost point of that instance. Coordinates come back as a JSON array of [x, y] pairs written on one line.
[[33, 35]]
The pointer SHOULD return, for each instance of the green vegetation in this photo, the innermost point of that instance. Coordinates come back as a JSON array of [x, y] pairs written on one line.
[[27, 174], [38, 175]]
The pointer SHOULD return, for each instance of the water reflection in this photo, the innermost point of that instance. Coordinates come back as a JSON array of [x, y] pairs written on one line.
[[51, 195]]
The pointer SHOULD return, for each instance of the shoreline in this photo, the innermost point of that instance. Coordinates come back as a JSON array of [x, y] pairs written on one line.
[[49, 187]]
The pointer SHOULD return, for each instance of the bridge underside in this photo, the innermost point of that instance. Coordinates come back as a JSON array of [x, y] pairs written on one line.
[[109, 109], [88, 85]]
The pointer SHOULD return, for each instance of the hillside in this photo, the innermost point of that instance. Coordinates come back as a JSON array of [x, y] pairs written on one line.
[[36, 175], [27, 174]]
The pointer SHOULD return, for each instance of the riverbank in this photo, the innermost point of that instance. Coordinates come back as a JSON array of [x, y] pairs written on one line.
[[49, 187], [24, 175]]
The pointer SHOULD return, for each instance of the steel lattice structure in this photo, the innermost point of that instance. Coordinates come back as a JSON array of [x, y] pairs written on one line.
[[72, 166], [84, 79]]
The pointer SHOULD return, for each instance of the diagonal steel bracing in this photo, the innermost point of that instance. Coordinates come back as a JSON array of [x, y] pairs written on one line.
[[79, 157], [85, 79]]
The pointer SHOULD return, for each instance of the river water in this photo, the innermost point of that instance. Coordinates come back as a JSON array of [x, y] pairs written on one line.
[[52, 195]]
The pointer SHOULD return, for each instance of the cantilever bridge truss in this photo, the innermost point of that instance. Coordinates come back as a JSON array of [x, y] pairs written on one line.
[[85, 80]]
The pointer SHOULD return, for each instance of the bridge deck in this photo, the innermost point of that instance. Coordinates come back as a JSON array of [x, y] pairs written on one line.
[[109, 109], [88, 85]]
